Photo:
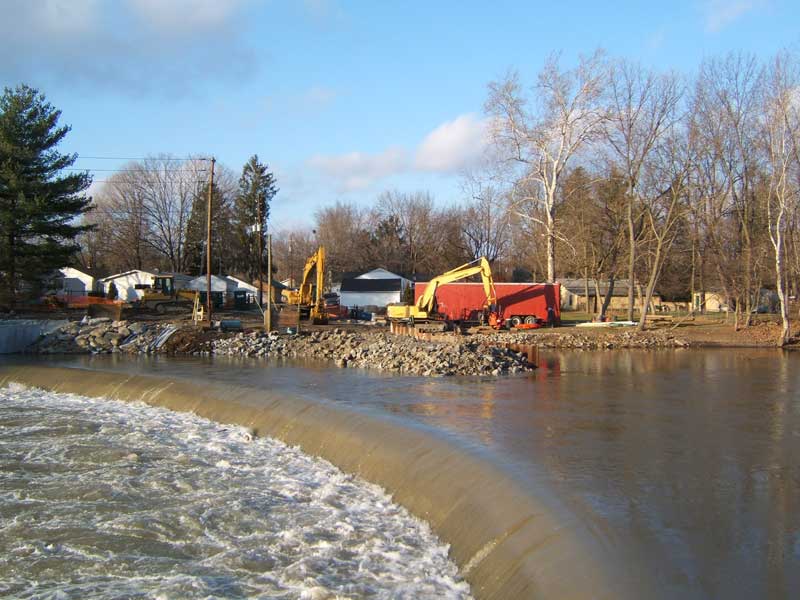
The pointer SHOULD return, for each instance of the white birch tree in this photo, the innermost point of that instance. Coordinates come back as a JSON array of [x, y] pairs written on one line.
[[781, 146], [541, 132]]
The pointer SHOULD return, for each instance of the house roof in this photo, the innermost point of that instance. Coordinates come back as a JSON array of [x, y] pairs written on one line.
[[371, 285], [124, 273], [577, 286], [379, 273], [278, 285]]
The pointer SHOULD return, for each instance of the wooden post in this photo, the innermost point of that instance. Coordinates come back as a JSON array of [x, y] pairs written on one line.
[[261, 260], [208, 243], [268, 312]]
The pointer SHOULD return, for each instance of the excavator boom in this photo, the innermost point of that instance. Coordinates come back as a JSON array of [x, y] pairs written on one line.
[[309, 294], [425, 306]]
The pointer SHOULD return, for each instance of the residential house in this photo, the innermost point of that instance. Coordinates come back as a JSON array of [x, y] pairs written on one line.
[[73, 282], [573, 295], [710, 300], [130, 284], [716, 301]]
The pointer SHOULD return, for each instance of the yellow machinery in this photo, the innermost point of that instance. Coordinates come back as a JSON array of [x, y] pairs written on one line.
[[163, 296], [425, 307], [308, 297]]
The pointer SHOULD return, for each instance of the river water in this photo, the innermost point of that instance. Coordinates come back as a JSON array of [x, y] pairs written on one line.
[[102, 499], [686, 463]]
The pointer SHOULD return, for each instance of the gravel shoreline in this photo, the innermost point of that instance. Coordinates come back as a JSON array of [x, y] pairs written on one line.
[[376, 350]]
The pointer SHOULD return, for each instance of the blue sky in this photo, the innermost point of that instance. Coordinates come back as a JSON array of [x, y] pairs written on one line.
[[342, 99]]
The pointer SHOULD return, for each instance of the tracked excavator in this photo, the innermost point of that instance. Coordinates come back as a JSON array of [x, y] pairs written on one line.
[[424, 309], [308, 297]]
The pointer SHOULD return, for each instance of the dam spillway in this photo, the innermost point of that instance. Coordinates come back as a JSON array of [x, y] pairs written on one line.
[[655, 474]]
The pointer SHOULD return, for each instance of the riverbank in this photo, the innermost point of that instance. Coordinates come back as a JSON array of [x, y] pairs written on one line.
[[365, 349], [373, 347]]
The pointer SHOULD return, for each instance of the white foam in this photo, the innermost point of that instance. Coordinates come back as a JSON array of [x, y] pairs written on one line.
[[112, 499]]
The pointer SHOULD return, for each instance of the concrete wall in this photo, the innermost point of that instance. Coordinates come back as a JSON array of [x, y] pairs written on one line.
[[16, 335], [509, 542]]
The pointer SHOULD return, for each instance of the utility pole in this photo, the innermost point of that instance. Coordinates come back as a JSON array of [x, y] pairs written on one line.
[[208, 243], [268, 313], [260, 257]]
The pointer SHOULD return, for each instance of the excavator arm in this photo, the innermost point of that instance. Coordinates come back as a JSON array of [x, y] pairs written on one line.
[[477, 267], [303, 296]]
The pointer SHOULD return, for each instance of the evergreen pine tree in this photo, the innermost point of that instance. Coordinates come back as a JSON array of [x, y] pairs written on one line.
[[256, 191], [38, 204], [196, 232]]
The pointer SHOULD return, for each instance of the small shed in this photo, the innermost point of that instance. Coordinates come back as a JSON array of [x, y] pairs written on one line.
[[130, 284], [378, 287]]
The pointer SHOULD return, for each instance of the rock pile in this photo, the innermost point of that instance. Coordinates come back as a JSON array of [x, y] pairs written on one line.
[[571, 339], [378, 351], [100, 336], [367, 350]]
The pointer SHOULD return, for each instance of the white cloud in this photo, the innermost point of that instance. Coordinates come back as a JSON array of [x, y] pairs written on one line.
[[453, 145], [65, 16], [318, 97], [358, 170], [449, 148], [185, 15], [721, 13], [162, 47]]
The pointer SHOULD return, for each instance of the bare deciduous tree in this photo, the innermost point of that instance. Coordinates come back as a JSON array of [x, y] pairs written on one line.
[[641, 107], [543, 133], [781, 146]]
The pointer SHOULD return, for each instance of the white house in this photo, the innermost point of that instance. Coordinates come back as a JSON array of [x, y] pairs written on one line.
[[73, 282], [242, 285], [378, 287], [130, 284]]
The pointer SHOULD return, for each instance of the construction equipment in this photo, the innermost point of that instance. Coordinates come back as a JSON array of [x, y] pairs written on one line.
[[309, 296], [163, 296], [424, 310]]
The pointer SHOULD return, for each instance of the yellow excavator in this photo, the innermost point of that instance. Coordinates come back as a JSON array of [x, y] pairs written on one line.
[[308, 297], [424, 310]]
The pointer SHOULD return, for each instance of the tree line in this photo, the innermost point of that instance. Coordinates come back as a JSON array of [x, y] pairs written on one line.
[[153, 214], [628, 172]]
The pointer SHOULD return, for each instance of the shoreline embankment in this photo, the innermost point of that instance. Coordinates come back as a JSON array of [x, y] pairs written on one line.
[[368, 347], [508, 541]]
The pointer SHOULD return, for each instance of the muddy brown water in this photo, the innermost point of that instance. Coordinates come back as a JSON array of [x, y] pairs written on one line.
[[687, 460]]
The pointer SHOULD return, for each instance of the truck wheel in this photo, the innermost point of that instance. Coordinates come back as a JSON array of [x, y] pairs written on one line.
[[530, 320], [514, 321], [161, 308]]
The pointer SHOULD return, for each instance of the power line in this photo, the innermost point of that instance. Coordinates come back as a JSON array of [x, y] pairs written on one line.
[[132, 170], [116, 181], [141, 158]]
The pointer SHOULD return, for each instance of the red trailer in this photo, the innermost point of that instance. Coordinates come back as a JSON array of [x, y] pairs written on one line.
[[517, 302]]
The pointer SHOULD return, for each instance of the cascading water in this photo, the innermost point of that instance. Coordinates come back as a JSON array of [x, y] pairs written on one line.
[[105, 499]]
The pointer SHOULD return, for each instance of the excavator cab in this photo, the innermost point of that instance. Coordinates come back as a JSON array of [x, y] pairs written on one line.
[[164, 285]]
